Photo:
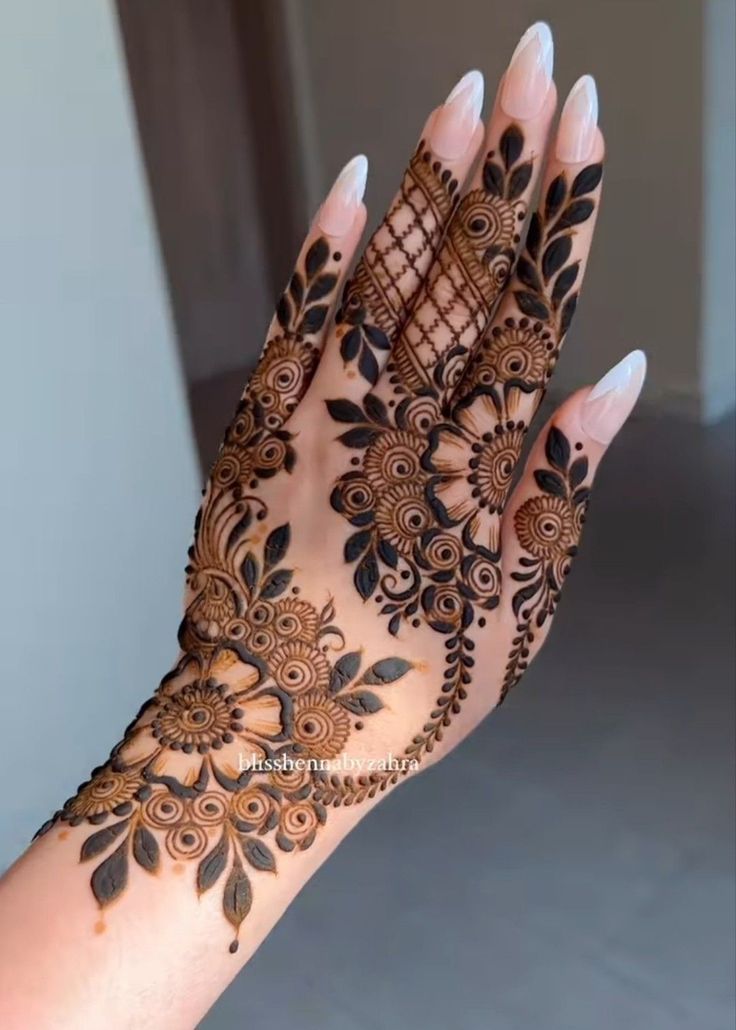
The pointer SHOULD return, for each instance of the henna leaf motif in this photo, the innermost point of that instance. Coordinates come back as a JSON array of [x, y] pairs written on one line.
[[511, 145], [145, 849], [277, 543], [110, 878], [344, 671], [362, 702], [102, 840], [259, 855], [237, 896], [212, 865]]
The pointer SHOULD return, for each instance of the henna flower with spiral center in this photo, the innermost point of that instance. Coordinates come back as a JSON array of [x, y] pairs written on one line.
[[233, 465], [296, 620], [475, 476], [243, 427], [290, 780], [298, 667], [519, 352], [443, 606], [545, 526], [298, 824], [269, 455], [105, 792], [253, 807], [487, 220], [198, 717], [493, 467], [354, 497], [207, 725], [443, 551], [395, 457], [281, 378], [320, 725], [402, 515]]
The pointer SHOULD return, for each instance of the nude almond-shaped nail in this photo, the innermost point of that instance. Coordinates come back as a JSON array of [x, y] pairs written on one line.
[[529, 74], [337, 214], [578, 122], [612, 399], [456, 121]]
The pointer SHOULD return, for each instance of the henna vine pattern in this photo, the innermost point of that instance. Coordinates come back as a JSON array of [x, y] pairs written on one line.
[[548, 527]]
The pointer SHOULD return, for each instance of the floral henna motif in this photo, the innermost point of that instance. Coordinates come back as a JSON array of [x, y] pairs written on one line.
[[518, 355], [433, 467], [548, 527], [514, 360], [213, 768], [256, 445], [219, 765], [424, 484]]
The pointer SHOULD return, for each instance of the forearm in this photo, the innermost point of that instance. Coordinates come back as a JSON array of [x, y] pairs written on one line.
[[158, 955]]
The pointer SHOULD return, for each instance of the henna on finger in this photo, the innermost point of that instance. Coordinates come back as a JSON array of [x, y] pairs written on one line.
[[391, 271], [506, 379], [470, 271], [390, 274], [547, 526]]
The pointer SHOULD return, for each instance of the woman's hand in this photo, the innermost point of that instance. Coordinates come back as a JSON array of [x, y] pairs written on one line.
[[366, 582]]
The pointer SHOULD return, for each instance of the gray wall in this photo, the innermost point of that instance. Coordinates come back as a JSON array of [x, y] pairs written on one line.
[[718, 299], [98, 469]]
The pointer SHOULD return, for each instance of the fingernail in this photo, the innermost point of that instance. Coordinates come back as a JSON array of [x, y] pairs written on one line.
[[457, 119], [578, 122], [337, 214], [611, 400], [529, 74]]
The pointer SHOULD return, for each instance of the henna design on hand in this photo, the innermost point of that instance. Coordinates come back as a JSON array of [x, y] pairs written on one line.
[[256, 445], [472, 267], [548, 527], [255, 686], [265, 674], [436, 457], [390, 274], [518, 354]]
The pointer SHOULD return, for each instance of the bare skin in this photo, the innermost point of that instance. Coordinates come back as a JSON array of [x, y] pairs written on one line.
[[367, 581]]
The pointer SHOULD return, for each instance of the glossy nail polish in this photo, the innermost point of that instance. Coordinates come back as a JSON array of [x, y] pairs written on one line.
[[457, 119], [578, 122], [337, 214], [611, 400], [529, 74]]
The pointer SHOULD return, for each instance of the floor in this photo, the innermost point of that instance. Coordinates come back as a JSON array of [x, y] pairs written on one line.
[[571, 867]]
